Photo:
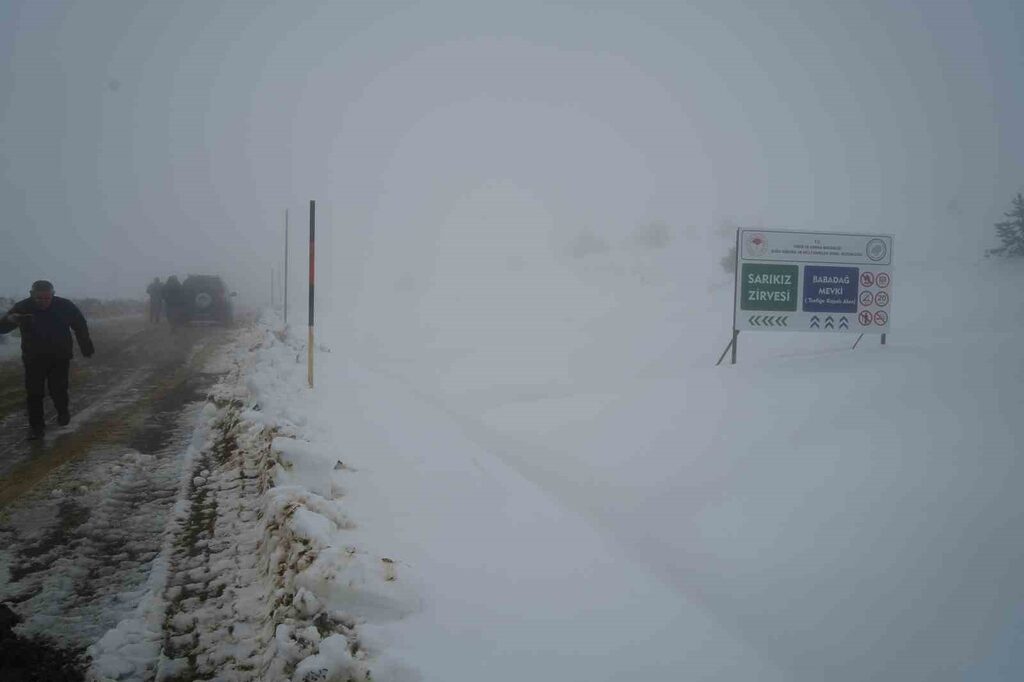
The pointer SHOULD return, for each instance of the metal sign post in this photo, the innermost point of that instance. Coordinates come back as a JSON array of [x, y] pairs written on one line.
[[735, 332]]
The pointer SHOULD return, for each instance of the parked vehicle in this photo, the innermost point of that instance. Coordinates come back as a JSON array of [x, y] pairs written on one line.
[[206, 300]]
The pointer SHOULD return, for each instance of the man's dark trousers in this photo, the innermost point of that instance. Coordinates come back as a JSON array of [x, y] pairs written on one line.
[[42, 372]]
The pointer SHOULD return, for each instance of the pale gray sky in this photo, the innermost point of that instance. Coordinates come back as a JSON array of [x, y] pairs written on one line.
[[150, 138]]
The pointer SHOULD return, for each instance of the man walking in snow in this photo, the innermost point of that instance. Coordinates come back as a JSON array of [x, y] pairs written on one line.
[[156, 299], [46, 322]]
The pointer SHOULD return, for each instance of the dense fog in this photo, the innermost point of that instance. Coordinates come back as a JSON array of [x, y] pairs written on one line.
[[149, 139], [524, 220]]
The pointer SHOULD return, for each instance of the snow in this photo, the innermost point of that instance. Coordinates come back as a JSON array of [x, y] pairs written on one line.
[[10, 347], [547, 478], [130, 649], [812, 509], [504, 572]]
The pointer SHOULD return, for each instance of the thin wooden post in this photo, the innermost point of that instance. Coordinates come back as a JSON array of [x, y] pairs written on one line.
[[312, 280]]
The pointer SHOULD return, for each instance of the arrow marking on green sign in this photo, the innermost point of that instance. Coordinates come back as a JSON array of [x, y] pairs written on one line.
[[768, 320]]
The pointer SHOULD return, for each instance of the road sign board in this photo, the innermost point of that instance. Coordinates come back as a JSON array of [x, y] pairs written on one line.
[[815, 281]]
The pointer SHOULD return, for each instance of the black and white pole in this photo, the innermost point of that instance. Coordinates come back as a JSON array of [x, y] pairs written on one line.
[[312, 280]]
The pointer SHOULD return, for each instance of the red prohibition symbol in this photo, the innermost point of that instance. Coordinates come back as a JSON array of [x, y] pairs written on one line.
[[882, 298], [865, 317], [882, 279], [881, 318], [867, 279], [867, 298]]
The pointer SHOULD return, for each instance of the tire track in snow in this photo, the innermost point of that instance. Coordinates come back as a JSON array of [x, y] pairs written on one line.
[[210, 626], [232, 610]]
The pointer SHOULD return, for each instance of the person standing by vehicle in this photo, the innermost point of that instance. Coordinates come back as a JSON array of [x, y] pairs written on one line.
[[156, 299], [46, 322], [172, 294]]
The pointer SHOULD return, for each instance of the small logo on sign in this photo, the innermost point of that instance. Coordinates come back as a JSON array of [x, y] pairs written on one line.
[[881, 318], [882, 298], [865, 318], [867, 298], [867, 279], [757, 244], [883, 279], [876, 250]]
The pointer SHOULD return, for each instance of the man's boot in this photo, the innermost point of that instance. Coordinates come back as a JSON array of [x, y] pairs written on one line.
[[36, 432], [63, 417]]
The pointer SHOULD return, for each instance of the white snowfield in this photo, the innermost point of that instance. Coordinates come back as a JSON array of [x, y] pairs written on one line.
[[570, 490]]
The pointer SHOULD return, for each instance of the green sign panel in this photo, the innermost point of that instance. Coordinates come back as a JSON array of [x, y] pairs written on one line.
[[769, 287]]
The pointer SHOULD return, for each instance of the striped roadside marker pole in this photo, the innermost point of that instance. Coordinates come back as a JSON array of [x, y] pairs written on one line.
[[286, 267], [312, 279]]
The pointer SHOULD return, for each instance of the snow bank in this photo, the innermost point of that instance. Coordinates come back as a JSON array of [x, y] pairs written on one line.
[[331, 582], [259, 577]]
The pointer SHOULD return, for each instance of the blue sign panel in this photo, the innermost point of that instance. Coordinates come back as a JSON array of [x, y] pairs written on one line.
[[830, 289]]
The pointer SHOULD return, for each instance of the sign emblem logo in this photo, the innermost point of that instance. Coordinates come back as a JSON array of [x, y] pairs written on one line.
[[757, 244], [876, 250]]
